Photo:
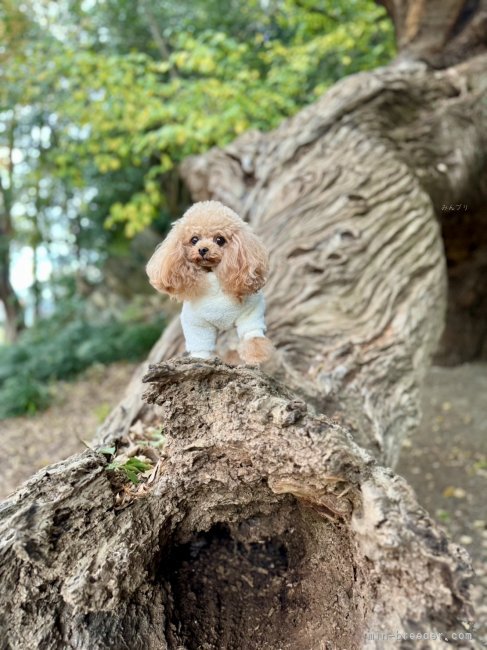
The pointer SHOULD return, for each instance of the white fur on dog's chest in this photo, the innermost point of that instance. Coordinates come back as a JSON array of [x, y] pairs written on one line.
[[218, 308], [217, 311]]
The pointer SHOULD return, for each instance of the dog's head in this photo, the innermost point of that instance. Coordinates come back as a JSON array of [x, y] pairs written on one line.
[[209, 237]]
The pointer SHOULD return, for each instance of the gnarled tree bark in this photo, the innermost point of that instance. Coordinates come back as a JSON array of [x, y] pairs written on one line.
[[267, 528], [348, 195], [272, 519]]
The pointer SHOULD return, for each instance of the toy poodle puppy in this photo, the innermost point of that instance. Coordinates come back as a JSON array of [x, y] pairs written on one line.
[[213, 263]]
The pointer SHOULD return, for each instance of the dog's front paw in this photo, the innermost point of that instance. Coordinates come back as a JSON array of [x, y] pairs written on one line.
[[255, 350], [201, 354]]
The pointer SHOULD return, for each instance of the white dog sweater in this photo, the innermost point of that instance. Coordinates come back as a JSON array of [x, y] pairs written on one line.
[[202, 318]]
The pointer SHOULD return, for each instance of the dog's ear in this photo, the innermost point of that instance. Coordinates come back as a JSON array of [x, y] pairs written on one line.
[[244, 266], [169, 270]]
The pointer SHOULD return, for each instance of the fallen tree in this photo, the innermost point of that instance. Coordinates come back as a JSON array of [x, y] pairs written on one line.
[[271, 518], [267, 527]]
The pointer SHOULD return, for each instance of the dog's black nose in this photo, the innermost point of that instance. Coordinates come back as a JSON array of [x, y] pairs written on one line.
[[202, 251]]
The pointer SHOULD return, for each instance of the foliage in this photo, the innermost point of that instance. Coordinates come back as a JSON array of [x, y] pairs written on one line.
[[133, 458], [133, 110], [61, 347], [130, 468], [123, 90], [22, 395]]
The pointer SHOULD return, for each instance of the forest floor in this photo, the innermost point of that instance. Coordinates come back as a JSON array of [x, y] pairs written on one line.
[[78, 408], [445, 461]]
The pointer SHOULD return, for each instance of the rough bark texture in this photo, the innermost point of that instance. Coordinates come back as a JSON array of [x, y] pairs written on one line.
[[268, 528], [440, 32], [272, 522]]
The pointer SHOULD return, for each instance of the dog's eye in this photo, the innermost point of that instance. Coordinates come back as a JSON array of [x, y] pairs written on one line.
[[194, 240], [220, 240]]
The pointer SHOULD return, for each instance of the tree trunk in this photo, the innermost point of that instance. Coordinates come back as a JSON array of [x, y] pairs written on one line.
[[266, 527], [14, 313], [269, 520], [440, 32], [348, 196]]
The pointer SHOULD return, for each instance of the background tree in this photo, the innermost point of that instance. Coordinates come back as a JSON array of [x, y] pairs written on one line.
[[13, 25]]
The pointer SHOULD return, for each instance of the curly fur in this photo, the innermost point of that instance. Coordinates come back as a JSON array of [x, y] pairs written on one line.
[[178, 269], [195, 262], [255, 350]]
